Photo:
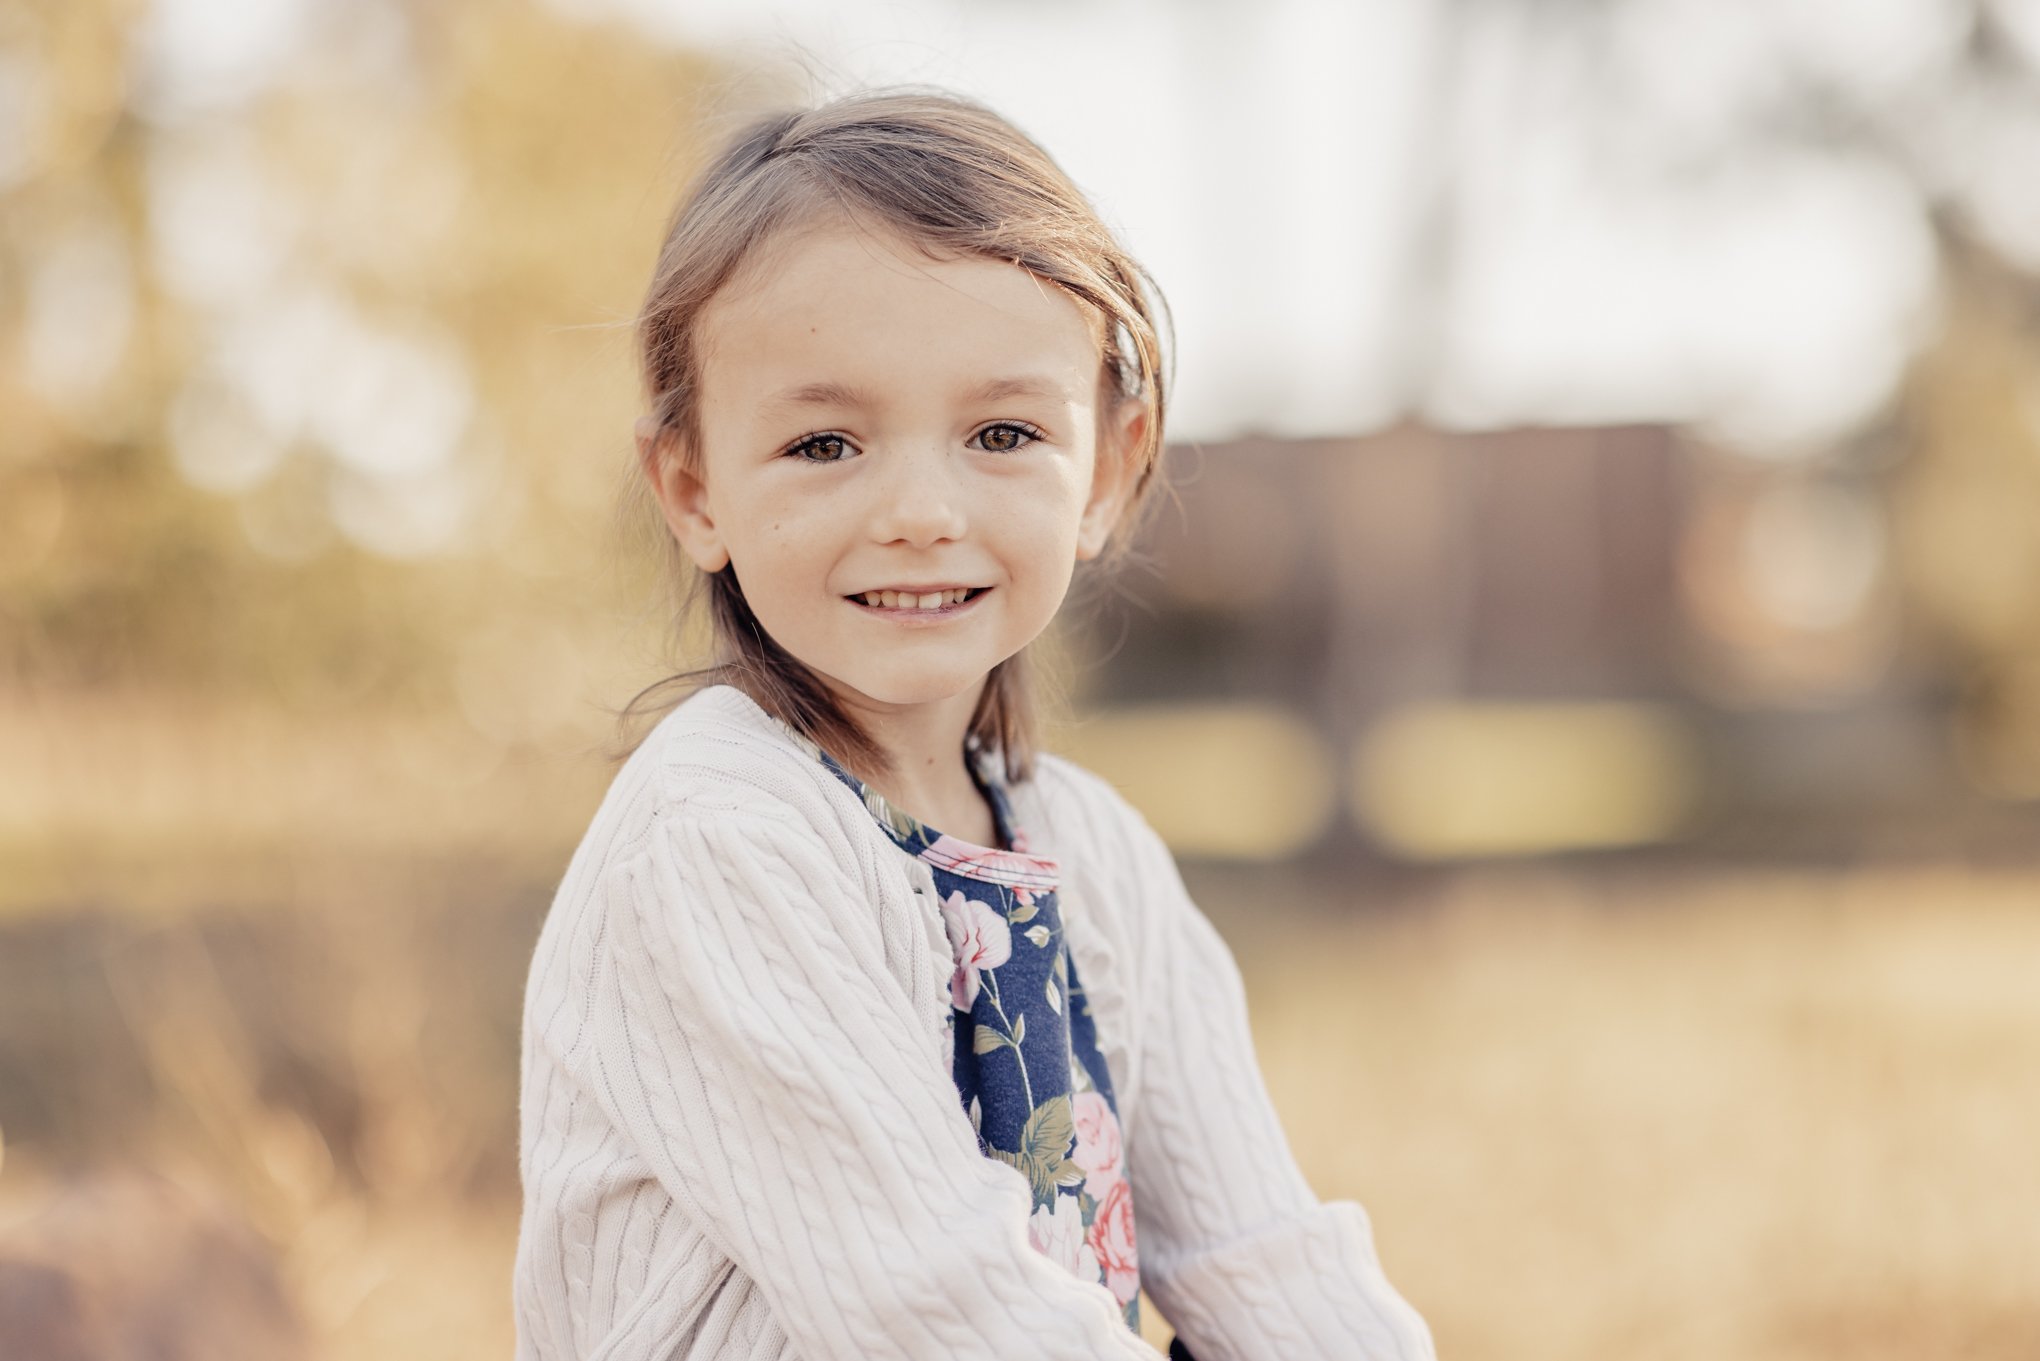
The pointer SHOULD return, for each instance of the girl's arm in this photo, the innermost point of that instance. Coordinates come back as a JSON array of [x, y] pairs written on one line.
[[754, 1048], [1237, 1251]]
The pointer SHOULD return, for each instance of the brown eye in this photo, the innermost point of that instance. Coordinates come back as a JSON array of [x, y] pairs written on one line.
[[821, 449], [1005, 437]]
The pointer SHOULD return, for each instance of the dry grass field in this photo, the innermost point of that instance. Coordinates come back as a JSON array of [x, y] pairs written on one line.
[[1681, 1115], [1608, 1110]]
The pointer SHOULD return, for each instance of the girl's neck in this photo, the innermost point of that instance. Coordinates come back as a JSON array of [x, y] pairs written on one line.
[[954, 805], [929, 779]]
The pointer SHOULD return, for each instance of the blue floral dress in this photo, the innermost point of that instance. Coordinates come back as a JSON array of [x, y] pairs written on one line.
[[1027, 1065]]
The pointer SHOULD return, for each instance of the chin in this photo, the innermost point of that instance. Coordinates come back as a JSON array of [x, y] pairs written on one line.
[[919, 687]]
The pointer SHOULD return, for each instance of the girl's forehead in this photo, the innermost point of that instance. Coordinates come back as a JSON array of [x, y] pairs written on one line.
[[841, 293], [853, 253]]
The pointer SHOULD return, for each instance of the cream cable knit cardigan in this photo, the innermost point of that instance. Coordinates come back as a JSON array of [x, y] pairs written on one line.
[[739, 1133]]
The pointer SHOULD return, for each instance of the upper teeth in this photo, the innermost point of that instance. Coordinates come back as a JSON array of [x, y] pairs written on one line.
[[902, 600]]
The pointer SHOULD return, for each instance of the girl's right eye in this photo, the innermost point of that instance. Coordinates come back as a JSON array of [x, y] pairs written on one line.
[[822, 448]]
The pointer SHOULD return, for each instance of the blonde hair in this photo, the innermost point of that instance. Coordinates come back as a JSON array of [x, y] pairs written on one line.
[[955, 178]]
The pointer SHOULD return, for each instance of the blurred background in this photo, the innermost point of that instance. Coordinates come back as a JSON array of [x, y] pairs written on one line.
[[1589, 665]]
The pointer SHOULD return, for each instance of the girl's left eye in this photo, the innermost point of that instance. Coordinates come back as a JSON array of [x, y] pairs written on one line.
[[1004, 437]]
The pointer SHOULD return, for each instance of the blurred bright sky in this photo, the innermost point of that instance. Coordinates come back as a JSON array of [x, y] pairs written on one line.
[[1488, 215]]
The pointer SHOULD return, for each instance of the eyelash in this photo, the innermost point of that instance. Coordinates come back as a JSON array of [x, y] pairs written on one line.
[[794, 450]]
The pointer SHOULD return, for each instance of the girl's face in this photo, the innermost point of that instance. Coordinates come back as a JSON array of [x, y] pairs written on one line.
[[879, 425]]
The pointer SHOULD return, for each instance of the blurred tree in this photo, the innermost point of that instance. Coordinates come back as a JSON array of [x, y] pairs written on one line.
[[307, 386], [1966, 507]]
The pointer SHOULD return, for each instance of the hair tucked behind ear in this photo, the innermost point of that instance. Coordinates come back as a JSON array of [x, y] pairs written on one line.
[[957, 179]]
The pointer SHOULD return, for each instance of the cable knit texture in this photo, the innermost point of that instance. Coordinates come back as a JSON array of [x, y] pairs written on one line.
[[739, 1133]]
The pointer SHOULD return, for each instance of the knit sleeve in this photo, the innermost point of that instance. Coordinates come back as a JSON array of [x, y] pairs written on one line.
[[1239, 1254], [774, 1076]]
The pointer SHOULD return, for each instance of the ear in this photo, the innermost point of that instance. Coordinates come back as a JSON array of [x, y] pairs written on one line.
[[1112, 476], [682, 496]]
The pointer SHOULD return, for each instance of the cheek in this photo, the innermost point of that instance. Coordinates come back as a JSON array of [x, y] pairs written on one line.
[[1033, 546], [767, 534], [1045, 514]]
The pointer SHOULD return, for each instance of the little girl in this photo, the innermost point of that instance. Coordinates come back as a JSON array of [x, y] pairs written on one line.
[[804, 1076]]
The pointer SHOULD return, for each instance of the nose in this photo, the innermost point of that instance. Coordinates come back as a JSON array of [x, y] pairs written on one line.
[[920, 499]]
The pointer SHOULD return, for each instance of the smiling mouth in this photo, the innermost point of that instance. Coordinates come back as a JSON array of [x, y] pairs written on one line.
[[909, 603]]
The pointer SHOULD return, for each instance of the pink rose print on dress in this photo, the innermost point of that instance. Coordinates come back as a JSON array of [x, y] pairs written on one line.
[[979, 938], [1112, 1241], [1058, 1234], [1098, 1148]]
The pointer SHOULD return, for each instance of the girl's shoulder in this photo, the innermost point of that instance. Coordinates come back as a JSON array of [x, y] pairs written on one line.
[[717, 756], [719, 750]]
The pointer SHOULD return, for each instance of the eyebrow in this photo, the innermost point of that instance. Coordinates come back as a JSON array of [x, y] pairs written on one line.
[[840, 394]]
